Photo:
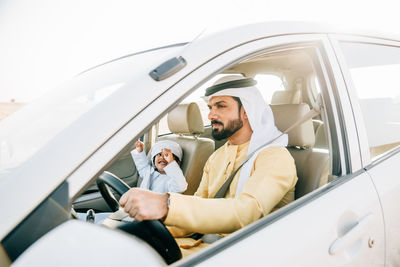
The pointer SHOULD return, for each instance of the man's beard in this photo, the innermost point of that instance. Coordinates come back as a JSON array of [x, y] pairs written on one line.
[[232, 127]]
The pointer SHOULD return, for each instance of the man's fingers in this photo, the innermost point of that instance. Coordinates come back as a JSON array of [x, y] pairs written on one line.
[[123, 199], [126, 197], [128, 207], [143, 204], [132, 213], [138, 217]]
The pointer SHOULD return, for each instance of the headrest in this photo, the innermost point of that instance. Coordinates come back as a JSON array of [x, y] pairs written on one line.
[[286, 115], [186, 119], [286, 97]]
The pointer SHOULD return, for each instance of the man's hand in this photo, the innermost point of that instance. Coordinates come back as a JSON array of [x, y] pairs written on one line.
[[144, 205], [167, 154], [139, 146]]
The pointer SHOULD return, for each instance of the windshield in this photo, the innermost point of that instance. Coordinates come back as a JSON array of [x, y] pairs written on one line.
[[29, 129]]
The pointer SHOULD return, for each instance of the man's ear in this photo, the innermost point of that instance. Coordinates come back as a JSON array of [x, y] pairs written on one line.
[[244, 114]]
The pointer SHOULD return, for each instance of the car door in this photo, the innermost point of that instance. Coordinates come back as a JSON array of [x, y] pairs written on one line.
[[372, 68], [339, 224]]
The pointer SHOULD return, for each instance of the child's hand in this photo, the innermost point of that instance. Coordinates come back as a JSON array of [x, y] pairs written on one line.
[[139, 146], [167, 154]]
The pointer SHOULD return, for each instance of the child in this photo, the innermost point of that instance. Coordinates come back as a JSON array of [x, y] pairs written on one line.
[[163, 173]]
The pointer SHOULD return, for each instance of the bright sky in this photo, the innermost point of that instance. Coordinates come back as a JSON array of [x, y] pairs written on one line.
[[45, 42]]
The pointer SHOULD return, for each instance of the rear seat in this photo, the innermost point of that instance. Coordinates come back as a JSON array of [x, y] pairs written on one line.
[[286, 97], [312, 164]]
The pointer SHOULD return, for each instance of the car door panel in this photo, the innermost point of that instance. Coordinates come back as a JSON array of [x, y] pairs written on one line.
[[329, 230], [370, 67], [386, 177]]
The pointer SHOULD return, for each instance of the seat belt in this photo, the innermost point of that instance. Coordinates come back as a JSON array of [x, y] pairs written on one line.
[[224, 188]]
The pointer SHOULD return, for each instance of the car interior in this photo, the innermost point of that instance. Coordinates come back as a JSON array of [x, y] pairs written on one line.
[[187, 124], [291, 85]]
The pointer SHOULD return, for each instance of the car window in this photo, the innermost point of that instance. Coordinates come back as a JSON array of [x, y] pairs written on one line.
[[270, 83], [288, 82], [378, 92]]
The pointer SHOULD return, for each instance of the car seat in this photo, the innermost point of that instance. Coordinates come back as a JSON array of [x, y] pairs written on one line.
[[186, 124], [312, 164]]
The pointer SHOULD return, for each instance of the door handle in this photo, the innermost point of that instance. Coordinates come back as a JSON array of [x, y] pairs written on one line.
[[351, 236]]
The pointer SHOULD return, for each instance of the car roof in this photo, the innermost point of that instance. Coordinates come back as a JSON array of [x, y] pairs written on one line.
[[269, 29]]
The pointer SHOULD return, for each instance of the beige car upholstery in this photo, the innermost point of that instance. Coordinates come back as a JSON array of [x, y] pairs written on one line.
[[312, 164], [320, 137], [294, 97], [316, 124], [186, 124], [286, 115], [286, 97]]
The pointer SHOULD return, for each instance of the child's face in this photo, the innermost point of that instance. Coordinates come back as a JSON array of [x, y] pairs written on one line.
[[160, 162]]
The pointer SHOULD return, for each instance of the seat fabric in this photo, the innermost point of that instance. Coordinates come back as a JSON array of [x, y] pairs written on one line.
[[286, 97]]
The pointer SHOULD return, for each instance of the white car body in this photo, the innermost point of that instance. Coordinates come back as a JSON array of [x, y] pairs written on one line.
[[351, 221]]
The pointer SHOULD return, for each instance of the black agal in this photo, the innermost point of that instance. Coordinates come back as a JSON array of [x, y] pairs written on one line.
[[231, 84]]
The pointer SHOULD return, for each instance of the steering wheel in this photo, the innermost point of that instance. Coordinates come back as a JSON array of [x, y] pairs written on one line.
[[153, 232], [107, 180]]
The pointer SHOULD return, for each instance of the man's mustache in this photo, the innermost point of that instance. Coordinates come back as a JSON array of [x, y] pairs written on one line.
[[216, 122]]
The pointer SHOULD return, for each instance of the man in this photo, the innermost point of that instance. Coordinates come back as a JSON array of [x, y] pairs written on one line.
[[265, 182]]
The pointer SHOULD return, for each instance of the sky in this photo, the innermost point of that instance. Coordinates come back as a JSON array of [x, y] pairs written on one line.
[[46, 42]]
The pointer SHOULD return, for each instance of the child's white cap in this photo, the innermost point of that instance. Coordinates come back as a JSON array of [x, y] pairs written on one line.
[[171, 145]]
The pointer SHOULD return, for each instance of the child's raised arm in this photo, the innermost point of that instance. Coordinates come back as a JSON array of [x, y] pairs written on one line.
[[139, 146]]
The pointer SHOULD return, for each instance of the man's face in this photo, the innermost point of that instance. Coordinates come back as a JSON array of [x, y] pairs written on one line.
[[224, 116]]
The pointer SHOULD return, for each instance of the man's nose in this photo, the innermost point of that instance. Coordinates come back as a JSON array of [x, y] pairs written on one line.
[[212, 115]]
